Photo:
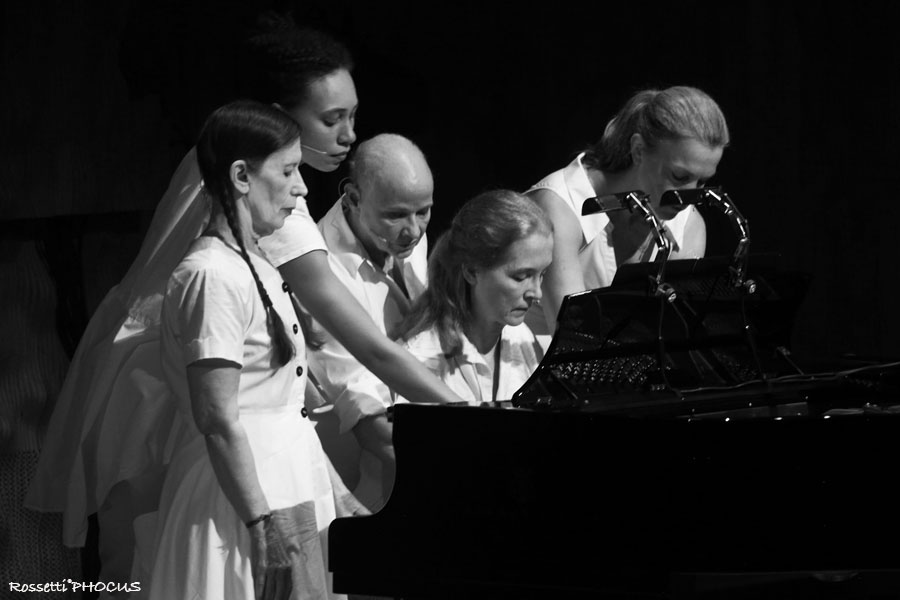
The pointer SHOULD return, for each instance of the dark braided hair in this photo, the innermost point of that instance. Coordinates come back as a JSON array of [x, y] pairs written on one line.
[[479, 238], [249, 131], [281, 60]]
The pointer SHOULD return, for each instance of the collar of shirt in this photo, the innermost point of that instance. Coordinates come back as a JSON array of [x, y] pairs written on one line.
[[578, 185], [580, 189], [511, 349], [346, 247]]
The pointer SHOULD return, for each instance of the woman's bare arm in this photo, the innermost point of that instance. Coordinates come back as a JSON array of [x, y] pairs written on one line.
[[331, 304], [564, 275], [213, 386]]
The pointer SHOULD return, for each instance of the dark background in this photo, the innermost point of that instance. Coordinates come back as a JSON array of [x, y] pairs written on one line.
[[101, 99]]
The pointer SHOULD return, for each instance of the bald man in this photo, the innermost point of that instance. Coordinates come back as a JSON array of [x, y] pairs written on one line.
[[375, 234]]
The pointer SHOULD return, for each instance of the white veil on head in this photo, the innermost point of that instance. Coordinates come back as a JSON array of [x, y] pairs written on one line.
[[111, 420], [179, 219]]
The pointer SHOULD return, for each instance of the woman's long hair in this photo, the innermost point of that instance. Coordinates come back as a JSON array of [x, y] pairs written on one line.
[[670, 114], [479, 238], [249, 131]]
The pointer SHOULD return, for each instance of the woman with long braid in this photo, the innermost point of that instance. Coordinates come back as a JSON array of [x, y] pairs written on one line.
[[106, 445], [247, 497]]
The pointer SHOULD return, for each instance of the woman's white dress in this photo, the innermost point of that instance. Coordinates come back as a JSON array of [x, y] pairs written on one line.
[[212, 310], [111, 425]]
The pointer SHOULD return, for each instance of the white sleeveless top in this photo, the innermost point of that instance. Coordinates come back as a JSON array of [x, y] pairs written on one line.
[[596, 255]]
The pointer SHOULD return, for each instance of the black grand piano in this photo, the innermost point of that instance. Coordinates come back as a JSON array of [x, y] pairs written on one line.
[[668, 446]]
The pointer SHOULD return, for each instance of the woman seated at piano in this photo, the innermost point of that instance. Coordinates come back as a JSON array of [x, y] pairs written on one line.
[[484, 274], [659, 140]]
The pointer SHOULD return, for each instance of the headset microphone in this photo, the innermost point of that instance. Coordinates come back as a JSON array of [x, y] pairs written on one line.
[[314, 149]]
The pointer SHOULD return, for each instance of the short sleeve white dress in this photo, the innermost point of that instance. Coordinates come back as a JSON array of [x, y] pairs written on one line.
[[212, 310], [111, 424]]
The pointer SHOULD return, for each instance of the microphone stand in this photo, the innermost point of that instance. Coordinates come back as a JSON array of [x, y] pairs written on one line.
[[738, 267], [719, 199], [638, 200], [658, 286]]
